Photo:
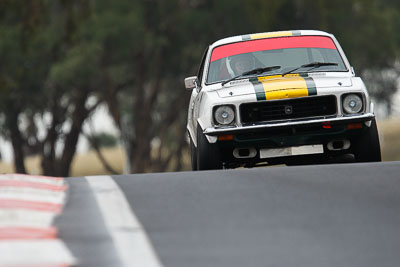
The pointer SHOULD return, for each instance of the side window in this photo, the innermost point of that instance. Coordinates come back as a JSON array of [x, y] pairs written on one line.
[[201, 68]]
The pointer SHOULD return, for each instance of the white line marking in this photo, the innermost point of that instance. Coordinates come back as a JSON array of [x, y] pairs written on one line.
[[35, 253], [131, 241]]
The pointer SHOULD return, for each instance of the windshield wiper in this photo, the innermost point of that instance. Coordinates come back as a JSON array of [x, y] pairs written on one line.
[[313, 65], [252, 72]]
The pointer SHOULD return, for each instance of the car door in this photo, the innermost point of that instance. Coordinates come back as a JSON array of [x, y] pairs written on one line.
[[195, 99]]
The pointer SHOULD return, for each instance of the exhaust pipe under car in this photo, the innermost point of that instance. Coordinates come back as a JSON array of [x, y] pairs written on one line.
[[338, 145], [244, 153]]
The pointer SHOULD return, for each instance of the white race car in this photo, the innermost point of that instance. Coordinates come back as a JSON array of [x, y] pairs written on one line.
[[287, 97]]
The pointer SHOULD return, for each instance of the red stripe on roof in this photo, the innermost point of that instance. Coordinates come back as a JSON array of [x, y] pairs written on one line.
[[30, 205], [16, 183], [14, 232], [271, 44]]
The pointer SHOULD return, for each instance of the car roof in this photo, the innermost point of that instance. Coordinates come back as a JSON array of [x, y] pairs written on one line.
[[253, 36]]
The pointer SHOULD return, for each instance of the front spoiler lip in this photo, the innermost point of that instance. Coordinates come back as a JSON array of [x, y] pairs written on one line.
[[349, 119]]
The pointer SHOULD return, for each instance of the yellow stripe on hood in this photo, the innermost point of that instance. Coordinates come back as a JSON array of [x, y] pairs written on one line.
[[284, 87]]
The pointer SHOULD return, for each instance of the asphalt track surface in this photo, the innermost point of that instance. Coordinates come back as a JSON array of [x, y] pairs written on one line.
[[323, 215]]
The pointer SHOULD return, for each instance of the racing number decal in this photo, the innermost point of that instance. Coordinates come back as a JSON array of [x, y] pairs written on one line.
[[270, 88]]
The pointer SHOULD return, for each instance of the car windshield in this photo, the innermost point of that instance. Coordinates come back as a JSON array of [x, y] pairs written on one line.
[[233, 59]]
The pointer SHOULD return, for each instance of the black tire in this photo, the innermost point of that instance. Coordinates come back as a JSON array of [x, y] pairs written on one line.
[[193, 154], [367, 147], [208, 155]]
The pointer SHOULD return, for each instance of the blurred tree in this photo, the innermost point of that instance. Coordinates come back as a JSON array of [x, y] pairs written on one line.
[[19, 27], [104, 140], [147, 45], [37, 37]]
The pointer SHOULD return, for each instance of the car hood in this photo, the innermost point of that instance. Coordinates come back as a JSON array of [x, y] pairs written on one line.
[[291, 86]]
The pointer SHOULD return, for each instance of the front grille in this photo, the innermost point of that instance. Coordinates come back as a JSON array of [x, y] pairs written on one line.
[[295, 108]]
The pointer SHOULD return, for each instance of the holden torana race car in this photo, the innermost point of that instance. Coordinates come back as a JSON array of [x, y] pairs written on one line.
[[286, 97]]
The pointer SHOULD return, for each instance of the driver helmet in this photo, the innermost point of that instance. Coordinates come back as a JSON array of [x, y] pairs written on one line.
[[238, 64]]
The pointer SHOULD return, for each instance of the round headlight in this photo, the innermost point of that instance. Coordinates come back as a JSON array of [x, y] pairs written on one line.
[[352, 104], [224, 115]]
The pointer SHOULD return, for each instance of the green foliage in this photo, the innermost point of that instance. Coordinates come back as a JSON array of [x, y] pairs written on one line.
[[105, 140], [79, 67]]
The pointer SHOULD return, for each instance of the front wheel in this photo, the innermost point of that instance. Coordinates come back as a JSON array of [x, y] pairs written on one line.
[[208, 155], [367, 147]]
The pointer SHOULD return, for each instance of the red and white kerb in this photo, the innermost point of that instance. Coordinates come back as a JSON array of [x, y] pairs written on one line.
[[28, 206]]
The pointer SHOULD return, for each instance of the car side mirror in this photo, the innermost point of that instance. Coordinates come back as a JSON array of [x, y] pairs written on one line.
[[191, 82]]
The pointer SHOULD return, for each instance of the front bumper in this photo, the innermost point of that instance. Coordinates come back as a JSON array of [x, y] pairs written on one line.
[[368, 117], [290, 134]]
